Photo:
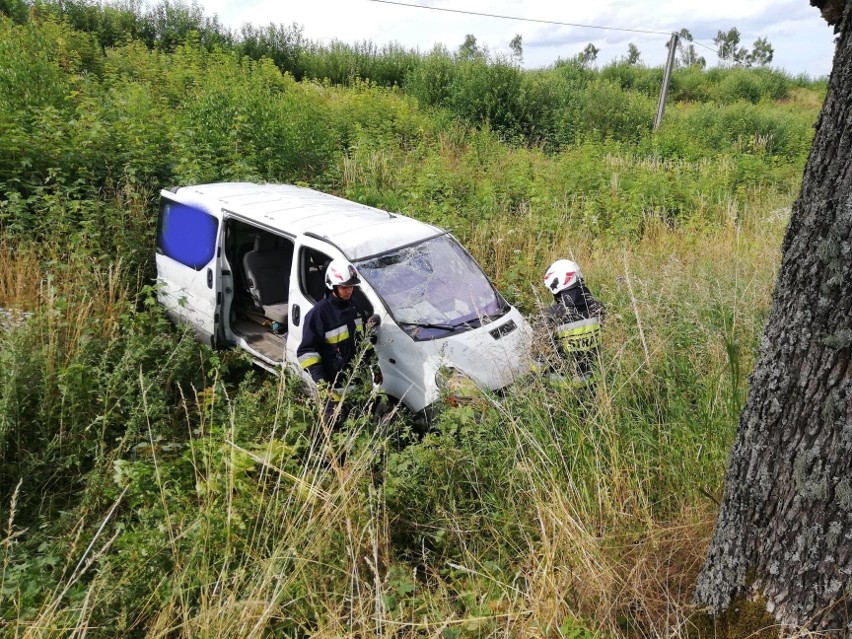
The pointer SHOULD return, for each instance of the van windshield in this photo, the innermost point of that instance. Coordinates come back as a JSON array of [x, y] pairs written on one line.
[[433, 289]]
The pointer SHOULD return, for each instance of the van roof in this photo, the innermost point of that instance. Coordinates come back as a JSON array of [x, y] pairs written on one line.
[[358, 230]]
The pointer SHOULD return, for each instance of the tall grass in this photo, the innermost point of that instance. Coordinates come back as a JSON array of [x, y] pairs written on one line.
[[73, 346], [249, 551], [541, 513]]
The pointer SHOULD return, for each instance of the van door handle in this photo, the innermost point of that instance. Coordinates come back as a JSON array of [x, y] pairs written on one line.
[[297, 314], [209, 278]]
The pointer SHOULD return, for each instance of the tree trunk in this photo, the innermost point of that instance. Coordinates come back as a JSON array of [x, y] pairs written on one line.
[[784, 530]]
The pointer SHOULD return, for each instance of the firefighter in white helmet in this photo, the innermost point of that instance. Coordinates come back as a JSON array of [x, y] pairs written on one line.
[[574, 320], [335, 328]]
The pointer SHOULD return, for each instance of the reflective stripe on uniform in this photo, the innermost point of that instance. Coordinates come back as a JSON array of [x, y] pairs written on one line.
[[359, 325], [337, 335], [579, 336], [309, 359]]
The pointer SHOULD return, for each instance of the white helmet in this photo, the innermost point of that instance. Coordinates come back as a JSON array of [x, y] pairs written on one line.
[[341, 273], [562, 274]]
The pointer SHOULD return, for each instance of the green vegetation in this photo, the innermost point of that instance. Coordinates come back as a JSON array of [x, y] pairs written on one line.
[[152, 487]]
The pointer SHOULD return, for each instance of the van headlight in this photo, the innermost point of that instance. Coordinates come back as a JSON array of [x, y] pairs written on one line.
[[456, 387]]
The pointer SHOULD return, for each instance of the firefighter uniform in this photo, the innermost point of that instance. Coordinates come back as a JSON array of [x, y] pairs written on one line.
[[332, 334], [575, 319]]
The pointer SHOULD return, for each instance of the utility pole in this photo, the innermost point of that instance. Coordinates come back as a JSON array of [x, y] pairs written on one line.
[[667, 75]]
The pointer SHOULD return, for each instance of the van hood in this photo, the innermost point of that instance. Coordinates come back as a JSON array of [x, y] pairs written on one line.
[[493, 356]]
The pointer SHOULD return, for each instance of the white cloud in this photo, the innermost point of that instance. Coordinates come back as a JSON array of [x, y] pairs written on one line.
[[802, 41]]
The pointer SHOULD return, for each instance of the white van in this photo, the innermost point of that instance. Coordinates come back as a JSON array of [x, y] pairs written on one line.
[[243, 264]]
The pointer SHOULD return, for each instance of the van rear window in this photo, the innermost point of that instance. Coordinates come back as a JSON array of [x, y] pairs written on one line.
[[187, 235]]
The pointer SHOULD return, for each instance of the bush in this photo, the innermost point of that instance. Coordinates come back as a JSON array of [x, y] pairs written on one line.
[[573, 74], [740, 127], [170, 23], [689, 84], [431, 80], [603, 111], [17, 10], [283, 45], [631, 77], [739, 85], [488, 93], [497, 93], [342, 63]]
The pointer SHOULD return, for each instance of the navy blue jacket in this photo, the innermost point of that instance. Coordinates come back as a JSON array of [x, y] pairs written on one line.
[[331, 336]]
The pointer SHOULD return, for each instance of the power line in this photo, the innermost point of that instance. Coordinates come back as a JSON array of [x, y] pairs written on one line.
[[563, 24], [705, 46], [504, 17]]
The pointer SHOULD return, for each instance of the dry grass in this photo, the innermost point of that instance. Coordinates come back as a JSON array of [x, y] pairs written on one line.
[[806, 98], [68, 292]]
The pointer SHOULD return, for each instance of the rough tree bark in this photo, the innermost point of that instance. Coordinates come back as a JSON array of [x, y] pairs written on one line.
[[784, 531]]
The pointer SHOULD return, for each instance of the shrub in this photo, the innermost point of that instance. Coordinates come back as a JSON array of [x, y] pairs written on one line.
[[604, 111], [739, 85], [487, 92], [573, 74], [430, 81], [743, 127], [631, 77], [84, 374], [283, 45], [17, 10], [689, 84], [342, 63]]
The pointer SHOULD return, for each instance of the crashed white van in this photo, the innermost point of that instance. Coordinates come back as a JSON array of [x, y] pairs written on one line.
[[243, 264]]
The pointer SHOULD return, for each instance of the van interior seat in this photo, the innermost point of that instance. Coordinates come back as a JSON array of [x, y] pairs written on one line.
[[315, 278], [242, 278], [267, 268]]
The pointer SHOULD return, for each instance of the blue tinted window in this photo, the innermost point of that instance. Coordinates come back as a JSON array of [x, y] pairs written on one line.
[[187, 235]]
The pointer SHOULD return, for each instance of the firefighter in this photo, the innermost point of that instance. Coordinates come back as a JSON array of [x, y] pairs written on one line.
[[574, 320], [335, 328]]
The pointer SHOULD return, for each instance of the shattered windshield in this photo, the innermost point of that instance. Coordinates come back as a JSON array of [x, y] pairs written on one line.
[[434, 288]]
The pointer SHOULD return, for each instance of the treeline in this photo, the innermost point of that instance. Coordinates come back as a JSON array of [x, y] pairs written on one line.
[[162, 26], [78, 121], [551, 106]]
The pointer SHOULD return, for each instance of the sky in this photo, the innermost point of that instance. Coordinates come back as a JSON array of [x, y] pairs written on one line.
[[802, 41]]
